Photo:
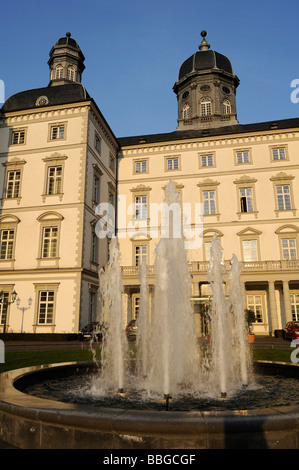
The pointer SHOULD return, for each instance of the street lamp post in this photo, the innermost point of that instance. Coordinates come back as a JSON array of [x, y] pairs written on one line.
[[23, 309], [5, 303]]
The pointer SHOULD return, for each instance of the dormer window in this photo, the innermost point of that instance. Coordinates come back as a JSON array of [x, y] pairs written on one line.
[[70, 73], [59, 72], [186, 111], [226, 107], [206, 107]]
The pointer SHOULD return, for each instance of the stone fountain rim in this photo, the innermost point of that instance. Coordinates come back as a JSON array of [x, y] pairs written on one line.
[[11, 395], [19, 409]]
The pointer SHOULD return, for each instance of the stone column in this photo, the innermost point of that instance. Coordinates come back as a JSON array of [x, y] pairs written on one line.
[[287, 301], [273, 307], [125, 305]]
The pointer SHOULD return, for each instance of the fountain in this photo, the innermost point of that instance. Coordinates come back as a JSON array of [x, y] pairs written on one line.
[[169, 366]]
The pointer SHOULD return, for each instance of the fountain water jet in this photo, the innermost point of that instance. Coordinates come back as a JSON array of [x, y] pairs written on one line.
[[114, 344], [175, 363]]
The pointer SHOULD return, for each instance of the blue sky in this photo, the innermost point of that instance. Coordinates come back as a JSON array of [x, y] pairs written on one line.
[[134, 49]]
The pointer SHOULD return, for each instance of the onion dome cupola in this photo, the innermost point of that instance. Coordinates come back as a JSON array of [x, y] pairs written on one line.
[[206, 90], [66, 62]]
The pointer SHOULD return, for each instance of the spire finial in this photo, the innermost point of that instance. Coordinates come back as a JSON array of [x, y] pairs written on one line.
[[204, 46]]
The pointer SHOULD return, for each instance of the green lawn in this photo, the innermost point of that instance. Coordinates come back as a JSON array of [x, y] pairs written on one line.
[[17, 360]]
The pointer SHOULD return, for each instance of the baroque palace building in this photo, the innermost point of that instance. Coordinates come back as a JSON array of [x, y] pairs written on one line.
[[59, 159]]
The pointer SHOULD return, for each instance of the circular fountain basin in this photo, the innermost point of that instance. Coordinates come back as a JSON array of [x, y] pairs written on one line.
[[31, 422]]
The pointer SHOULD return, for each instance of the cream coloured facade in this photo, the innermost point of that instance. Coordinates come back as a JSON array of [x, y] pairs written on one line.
[[59, 159], [238, 177]]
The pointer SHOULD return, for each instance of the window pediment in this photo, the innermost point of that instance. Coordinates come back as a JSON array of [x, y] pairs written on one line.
[[245, 179], [287, 229], [282, 176], [249, 231], [50, 216]]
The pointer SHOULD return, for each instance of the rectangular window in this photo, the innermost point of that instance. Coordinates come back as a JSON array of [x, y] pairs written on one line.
[[18, 137], [57, 132], [140, 254], [283, 194], [94, 248], [250, 250], [255, 303], [172, 163], [279, 153], [111, 198], [289, 248], [3, 308], [295, 306], [46, 307], [243, 157], [207, 247], [97, 142], [54, 184], [7, 238], [207, 160], [141, 207], [136, 307], [112, 162], [96, 189], [141, 166], [209, 202], [13, 183], [50, 242], [246, 199], [92, 314]]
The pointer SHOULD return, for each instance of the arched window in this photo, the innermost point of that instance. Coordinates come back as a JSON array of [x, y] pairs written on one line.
[[226, 107], [206, 107], [59, 71], [186, 111], [70, 73]]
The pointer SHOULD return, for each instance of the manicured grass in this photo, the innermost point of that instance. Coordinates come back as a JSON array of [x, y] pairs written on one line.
[[17, 360], [278, 355]]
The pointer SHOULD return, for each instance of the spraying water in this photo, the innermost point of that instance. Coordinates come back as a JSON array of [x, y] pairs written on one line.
[[114, 342], [174, 351], [143, 325], [169, 362], [230, 353]]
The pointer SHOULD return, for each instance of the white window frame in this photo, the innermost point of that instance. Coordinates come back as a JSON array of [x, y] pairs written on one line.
[[295, 304], [141, 166], [7, 245], [206, 107], [18, 137], [207, 160], [57, 132], [141, 206], [226, 107], [209, 203], [257, 306], [141, 255], [250, 253], [13, 185], [54, 181], [172, 163]]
